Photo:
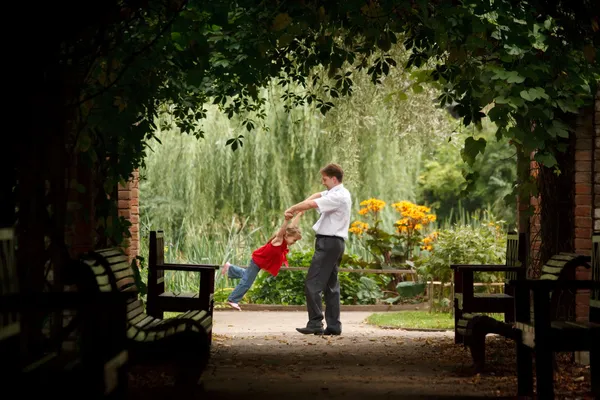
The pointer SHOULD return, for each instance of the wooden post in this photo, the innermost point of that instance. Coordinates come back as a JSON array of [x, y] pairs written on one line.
[[544, 366], [207, 289], [152, 277]]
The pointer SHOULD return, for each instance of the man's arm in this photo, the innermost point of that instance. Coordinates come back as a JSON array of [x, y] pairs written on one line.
[[303, 205], [314, 196]]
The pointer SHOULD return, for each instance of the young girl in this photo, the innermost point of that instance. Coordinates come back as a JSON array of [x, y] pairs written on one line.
[[269, 257]]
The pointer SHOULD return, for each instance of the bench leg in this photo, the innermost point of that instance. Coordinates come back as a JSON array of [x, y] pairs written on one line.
[[524, 370], [595, 368], [156, 313], [544, 373], [509, 316], [477, 346], [458, 338]]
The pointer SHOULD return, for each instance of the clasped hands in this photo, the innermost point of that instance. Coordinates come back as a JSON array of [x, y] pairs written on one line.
[[288, 214]]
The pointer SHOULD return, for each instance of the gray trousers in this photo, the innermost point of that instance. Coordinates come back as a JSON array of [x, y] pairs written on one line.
[[322, 278]]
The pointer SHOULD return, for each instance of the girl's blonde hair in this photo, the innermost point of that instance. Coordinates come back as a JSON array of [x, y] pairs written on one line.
[[289, 231], [293, 231]]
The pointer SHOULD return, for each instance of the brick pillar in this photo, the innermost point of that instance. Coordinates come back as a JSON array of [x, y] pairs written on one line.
[[589, 131], [129, 208], [535, 227], [584, 188], [596, 165]]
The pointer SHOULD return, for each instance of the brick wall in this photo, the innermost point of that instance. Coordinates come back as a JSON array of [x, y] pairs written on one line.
[[587, 197], [586, 149], [596, 165], [535, 228], [129, 208]]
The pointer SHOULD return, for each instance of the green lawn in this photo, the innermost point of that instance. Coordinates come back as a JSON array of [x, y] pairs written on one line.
[[417, 320], [412, 319]]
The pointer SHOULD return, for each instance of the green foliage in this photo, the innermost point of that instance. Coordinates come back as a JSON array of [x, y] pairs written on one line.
[[445, 178], [221, 294], [484, 243], [288, 287], [137, 265]]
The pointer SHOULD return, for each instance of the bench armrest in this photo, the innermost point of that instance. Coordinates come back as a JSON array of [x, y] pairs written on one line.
[[484, 267], [187, 267], [548, 285]]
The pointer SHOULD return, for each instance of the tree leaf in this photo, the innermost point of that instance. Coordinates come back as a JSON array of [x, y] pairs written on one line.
[[547, 159], [472, 148], [281, 22]]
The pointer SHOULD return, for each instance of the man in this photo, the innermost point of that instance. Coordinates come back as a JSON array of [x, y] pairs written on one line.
[[331, 230]]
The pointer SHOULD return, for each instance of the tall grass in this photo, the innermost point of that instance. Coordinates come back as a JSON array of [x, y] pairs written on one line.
[[215, 204]]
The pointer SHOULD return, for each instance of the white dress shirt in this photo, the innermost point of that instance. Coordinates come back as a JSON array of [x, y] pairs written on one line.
[[334, 205]]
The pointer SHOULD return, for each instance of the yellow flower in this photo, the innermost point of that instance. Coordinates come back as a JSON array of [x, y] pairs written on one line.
[[415, 217], [358, 227], [371, 205], [428, 241]]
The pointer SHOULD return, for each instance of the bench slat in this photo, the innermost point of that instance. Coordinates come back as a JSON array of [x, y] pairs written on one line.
[[109, 252], [123, 274], [125, 283], [553, 267], [146, 321], [123, 266], [111, 271], [118, 258]]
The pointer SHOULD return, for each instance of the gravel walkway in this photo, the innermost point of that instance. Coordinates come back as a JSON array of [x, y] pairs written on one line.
[[260, 355]]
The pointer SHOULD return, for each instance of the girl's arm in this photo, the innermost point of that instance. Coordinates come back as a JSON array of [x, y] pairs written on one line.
[[296, 218], [278, 239]]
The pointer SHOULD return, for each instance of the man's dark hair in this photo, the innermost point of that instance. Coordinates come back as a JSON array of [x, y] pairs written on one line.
[[333, 170]]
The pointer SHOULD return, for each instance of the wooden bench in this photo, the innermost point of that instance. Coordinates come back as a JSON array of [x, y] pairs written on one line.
[[160, 300], [542, 334], [85, 358], [474, 328], [184, 339], [466, 301]]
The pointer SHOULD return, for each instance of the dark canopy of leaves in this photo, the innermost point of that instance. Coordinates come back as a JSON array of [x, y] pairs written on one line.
[[110, 68]]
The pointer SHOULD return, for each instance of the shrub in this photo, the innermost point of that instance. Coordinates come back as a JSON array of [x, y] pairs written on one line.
[[288, 287]]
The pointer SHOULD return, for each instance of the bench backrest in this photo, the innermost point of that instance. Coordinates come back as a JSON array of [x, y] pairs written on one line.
[[156, 256], [512, 254], [157, 247], [516, 254], [111, 271], [562, 266]]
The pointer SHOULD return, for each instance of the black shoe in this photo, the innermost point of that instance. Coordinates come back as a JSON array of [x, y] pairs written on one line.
[[308, 331], [327, 332]]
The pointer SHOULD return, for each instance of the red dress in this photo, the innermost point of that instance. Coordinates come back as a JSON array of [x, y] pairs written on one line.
[[271, 258]]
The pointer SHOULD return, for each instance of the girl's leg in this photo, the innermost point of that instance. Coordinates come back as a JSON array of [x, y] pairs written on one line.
[[235, 272], [246, 282]]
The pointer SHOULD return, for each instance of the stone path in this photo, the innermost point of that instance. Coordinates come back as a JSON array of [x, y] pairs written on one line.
[[260, 355]]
